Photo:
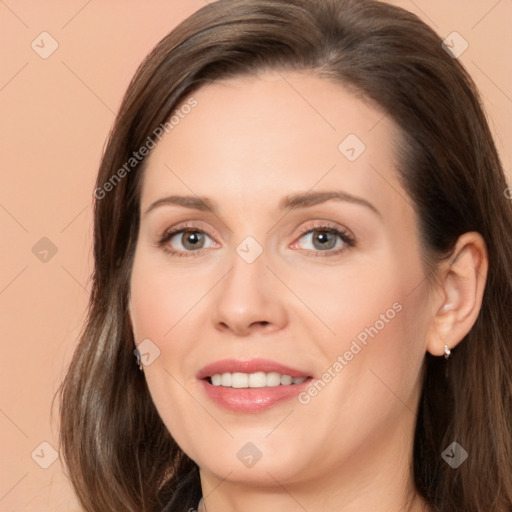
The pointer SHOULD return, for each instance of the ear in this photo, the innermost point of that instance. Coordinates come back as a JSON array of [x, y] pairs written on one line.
[[462, 279]]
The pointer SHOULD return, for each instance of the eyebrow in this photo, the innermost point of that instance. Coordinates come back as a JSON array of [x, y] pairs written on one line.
[[288, 203]]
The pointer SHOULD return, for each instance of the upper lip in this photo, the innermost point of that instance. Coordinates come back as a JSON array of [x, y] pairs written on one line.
[[248, 366]]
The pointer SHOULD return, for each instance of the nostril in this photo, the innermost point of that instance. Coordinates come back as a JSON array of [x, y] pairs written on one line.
[[263, 323]]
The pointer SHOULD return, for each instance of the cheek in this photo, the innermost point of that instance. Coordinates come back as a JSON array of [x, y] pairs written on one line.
[[161, 298], [162, 310], [359, 299], [376, 315], [372, 366]]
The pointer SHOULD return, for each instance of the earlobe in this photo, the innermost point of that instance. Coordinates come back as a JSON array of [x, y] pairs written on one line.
[[462, 284]]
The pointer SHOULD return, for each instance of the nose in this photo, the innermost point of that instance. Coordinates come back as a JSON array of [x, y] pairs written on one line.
[[249, 299]]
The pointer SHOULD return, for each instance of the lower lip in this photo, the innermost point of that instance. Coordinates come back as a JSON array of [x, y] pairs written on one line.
[[251, 400]]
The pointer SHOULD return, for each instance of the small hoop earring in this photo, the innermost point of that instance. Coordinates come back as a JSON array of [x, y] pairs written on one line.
[[447, 352]]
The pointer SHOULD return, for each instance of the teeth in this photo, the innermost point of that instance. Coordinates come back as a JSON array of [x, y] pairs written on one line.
[[254, 380], [257, 380], [286, 380], [226, 379], [273, 379], [239, 380]]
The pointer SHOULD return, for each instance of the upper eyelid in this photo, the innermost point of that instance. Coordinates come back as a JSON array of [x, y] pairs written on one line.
[[319, 226], [323, 225], [186, 226]]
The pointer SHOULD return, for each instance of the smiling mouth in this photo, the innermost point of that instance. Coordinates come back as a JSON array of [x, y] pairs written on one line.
[[251, 386], [239, 380]]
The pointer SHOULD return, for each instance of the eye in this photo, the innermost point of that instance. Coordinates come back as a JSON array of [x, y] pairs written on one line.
[[327, 239], [186, 239]]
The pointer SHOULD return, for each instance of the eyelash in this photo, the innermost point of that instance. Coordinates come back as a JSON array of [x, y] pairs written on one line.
[[347, 238]]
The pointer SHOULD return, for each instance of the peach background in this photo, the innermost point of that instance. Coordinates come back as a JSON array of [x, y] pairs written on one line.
[[55, 115]]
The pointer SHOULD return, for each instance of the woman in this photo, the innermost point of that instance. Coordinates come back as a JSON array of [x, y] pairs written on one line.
[[301, 232]]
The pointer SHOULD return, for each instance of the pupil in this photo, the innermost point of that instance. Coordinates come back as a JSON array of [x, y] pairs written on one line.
[[324, 240], [193, 240]]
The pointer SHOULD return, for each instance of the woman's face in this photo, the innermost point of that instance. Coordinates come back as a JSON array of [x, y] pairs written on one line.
[[300, 259]]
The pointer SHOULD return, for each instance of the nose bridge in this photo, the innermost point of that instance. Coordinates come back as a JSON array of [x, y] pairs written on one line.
[[246, 298], [245, 282]]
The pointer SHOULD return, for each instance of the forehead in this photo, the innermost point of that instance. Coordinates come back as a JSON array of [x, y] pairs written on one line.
[[262, 135]]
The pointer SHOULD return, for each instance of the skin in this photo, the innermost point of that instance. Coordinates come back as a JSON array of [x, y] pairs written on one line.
[[249, 142]]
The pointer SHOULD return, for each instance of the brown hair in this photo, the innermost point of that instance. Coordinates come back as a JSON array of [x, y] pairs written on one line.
[[119, 453]]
